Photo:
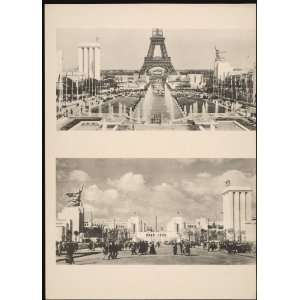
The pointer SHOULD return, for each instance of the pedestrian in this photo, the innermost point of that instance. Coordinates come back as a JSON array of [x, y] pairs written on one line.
[[60, 248], [140, 248], [181, 247], [152, 249], [146, 247], [105, 250], [70, 251], [175, 249], [133, 249], [91, 245], [188, 249], [110, 251], [115, 250]]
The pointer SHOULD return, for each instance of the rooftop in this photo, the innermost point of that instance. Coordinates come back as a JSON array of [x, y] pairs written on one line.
[[232, 188]]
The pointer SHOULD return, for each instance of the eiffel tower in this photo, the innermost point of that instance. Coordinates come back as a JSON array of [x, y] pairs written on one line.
[[163, 61]]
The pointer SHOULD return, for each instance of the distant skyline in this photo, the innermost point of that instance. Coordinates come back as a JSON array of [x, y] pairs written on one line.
[[188, 48], [153, 187]]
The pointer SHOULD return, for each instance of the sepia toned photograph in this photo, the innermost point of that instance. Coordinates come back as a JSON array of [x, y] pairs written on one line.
[[162, 207], [156, 211], [156, 79]]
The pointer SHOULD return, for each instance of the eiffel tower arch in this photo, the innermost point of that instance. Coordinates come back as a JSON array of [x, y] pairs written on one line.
[[164, 61]]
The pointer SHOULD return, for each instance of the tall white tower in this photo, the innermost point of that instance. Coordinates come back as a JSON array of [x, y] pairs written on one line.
[[89, 62], [237, 211]]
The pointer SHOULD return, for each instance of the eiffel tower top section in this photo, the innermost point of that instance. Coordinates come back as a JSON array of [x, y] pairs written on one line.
[[157, 33]]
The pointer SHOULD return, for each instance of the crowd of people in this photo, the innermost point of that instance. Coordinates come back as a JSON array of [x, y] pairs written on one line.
[[182, 248], [110, 250], [143, 248]]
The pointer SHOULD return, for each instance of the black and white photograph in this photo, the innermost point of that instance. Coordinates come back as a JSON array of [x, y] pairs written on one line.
[[153, 205], [156, 211], [156, 79]]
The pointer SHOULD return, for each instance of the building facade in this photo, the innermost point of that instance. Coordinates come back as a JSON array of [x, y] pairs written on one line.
[[72, 218], [89, 62], [236, 84], [237, 212]]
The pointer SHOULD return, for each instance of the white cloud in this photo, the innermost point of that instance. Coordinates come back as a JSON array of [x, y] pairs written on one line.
[[111, 194], [204, 183], [129, 182], [94, 194], [163, 187], [236, 177], [193, 187], [186, 161], [203, 175], [216, 161], [193, 197], [79, 176]]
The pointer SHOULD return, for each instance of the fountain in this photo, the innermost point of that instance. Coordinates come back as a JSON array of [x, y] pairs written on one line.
[[203, 108], [100, 107], [104, 124], [216, 106], [120, 108], [111, 108], [232, 107], [130, 112]]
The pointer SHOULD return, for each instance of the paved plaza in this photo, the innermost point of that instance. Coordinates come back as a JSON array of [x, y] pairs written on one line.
[[164, 256]]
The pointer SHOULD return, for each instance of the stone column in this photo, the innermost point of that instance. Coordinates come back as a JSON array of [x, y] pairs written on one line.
[[80, 59], [248, 206], [97, 63], [236, 215], [243, 210], [91, 62], [86, 61]]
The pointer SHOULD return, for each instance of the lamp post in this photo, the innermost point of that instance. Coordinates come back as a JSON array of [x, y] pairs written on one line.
[[72, 88], [65, 99], [207, 230], [77, 96], [60, 93]]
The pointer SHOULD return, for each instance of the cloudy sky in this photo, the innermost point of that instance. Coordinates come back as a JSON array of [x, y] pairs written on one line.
[[188, 48], [149, 187]]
